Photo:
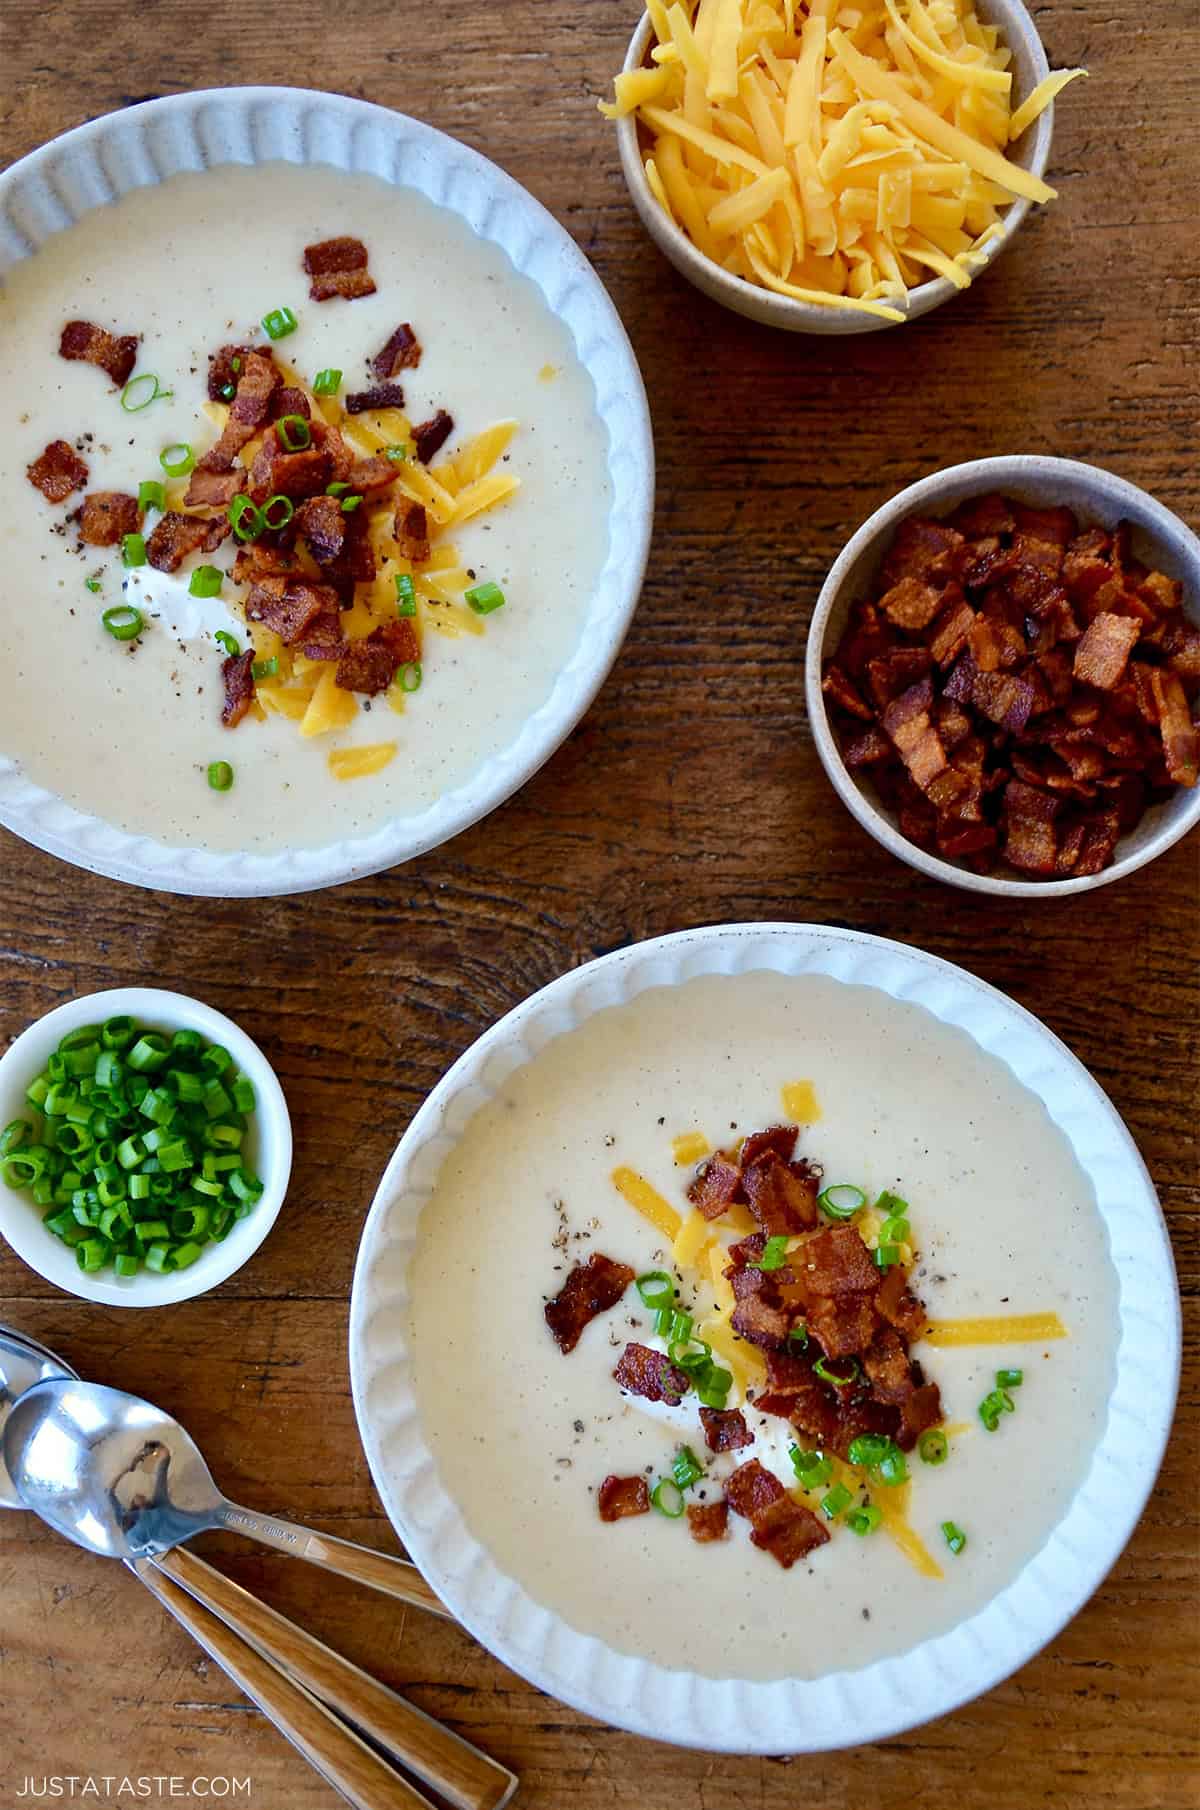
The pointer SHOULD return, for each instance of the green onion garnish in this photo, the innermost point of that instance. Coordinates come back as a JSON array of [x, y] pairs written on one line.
[[484, 598], [774, 1254], [177, 460], [686, 1468], [956, 1539], [998, 1402], [339, 487], [227, 643], [799, 1336], [667, 1498], [869, 1449], [266, 669], [327, 382], [141, 391], [220, 775], [893, 1468], [206, 582], [812, 1468], [92, 584], [934, 1447], [246, 518], [410, 676], [151, 495], [835, 1500], [123, 622], [656, 1289], [841, 1201], [406, 596], [895, 1230], [1009, 1379], [133, 550], [350, 502], [848, 1374], [864, 1519], [712, 1387], [397, 454], [890, 1204], [278, 511], [886, 1256], [279, 323], [293, 433]]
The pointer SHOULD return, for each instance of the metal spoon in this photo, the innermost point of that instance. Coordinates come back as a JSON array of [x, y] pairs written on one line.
[[117, 1475], [465, 1777]]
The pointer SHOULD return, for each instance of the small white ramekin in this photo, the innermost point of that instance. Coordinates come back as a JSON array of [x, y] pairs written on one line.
[[1032, 152], [268, 1148], [1160, 539]]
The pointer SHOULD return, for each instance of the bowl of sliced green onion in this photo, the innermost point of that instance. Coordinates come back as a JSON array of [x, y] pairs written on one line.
[[145, 1147]]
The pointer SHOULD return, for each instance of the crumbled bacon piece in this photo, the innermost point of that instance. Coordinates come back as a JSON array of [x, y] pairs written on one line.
[[649, 1374], [725, 1429], [401, 353], [288, 400], [277, 472], [370, 665], [752, 1488], [834, 1261], [57, 472], [116, 355], [899, 1306], [1102, 653], [338, 267], [411, 529], [432, 435], [788, 1531], [256, 385], [380, 396], [213, 489], [708, 1521], [1181, 743], [323, 523], [372, 474], [238, 677], [175, 536], [715, 1185], [843, 1324], [289, 605], [782, 1196], [106, 516], [225, 369], [590, 1289], [621, 1496]]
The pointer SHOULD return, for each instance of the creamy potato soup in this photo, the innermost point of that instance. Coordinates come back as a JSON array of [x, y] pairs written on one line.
[[1003, 1223], [128, 730]]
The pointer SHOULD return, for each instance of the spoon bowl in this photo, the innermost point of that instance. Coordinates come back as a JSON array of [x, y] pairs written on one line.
[[23, 1362]]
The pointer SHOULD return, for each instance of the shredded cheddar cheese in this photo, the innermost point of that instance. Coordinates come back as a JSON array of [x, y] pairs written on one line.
[[1002, 1329], [689, 1147], [691, 1240], [357, 763], [645, 1199], [838, 154], [800, 1102]]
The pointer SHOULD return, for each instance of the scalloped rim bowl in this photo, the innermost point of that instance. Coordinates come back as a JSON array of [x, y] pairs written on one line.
[[160, 1010], [841, 1709], [759, 304], [95, 163], [1095, 495]]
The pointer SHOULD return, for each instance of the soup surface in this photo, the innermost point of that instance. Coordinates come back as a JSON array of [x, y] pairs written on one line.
[[127, 730], [1003, 1220]]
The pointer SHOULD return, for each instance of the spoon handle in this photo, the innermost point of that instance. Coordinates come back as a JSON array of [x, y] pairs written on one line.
[[463, 1775], [364, 1779], [395, 1577]]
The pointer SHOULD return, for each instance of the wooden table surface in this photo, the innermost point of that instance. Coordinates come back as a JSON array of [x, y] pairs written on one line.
[[691, 794]]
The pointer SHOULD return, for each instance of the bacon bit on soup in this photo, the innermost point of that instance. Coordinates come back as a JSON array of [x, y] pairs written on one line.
[[57, 472], [225, 369], [725, 1430], [238, 677], [621, 1496], [212, 489], [288, 400], [1029, 687], [338, 267], [175, 536], [649, 1374], [288, 606], [432, 435], [778, 1524], [323, 523], [411, 529], [105, 516], [380, 396], [708, 1521], [370, 665], [115, 355], [401, 353], [590, 1289]]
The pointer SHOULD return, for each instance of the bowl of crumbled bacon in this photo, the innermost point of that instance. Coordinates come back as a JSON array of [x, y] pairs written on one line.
[[1003, 672]]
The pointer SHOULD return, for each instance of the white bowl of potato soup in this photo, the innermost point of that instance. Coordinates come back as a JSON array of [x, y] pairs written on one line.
[[145, 1147], [315, 555], [800, 1287]]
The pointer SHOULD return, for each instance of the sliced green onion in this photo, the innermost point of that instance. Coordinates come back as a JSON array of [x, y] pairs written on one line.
[[893, 1469], [279, 323], [338, 488], [141, 391], [327, 382], [228, 644], [841, 1201], [835, 1500], [92, 584], [92, 1254], [842, 1379], [869, 1449], [151, 495], [933, 1447], [667, 1498], [774, 1254], [220, 775], [133, 550], [406, 596], [206, 582], [812, 1468], [117, 1033], [126, 1263], [293, 433], [895, 1230], [686, 1468], [713, 1388], [278, 511], [864, 1519], [891, 1205], [246, 518], [656, 1289], [956, 1539], [266, 669], [149, 1052], [993, 1405], [349, 503], [1009, 1379], [484, 598], [799, 1336], [177, 460], [15, 1133], [123, 622], [886, 1256], [397, 454]]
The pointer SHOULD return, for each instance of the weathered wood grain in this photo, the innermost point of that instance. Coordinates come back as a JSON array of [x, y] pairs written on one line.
[[691, 794]]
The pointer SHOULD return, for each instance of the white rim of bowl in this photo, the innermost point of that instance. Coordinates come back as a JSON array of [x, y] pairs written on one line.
[[919, 300], [992, 474], [158, 1006], [93, 164], [935, 1676]]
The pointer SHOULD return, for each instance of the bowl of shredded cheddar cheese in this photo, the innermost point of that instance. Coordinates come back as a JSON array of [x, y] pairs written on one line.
[[828, 167]]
